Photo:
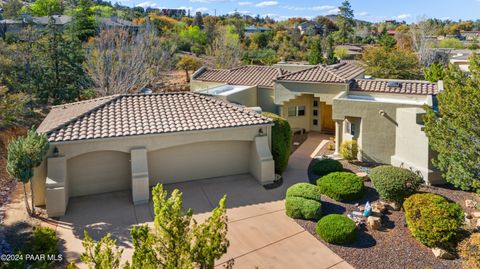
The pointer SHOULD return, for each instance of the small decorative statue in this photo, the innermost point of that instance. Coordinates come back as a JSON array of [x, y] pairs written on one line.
[[368, 210]]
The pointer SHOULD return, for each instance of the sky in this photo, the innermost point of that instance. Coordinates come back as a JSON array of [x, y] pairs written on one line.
[[370, 10]]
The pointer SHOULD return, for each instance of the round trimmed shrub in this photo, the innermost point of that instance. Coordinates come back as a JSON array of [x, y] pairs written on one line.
[[349, 150], [432, 219], [337, 229], [469, 250], [341, 186], [394, 183], [281, 141], [303, 201], [326, 166]]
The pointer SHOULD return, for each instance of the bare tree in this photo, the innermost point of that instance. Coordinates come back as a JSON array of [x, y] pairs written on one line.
[[421, 34], [226, 48], [121, 61]]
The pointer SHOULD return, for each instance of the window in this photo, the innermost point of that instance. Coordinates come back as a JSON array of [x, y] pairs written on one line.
[[315, 122], [300, 110], [296, 111], [315, 103], [315, 112], [292, 111], [350, 128]]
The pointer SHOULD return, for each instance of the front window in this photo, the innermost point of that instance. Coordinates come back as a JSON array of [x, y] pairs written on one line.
[[296, 111], [350, 128], [300, 110]]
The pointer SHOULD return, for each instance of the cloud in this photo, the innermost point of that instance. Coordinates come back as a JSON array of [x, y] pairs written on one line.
[[362, 13], [245, 3], [325, 9], [146, 4], [207, 1], [403, 16], [201, 9], [267, 4]]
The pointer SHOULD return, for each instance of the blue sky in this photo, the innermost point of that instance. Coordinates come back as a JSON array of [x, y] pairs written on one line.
[[372, 10]]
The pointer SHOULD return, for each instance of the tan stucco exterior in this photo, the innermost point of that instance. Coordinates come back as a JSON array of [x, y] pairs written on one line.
[[104, 165]]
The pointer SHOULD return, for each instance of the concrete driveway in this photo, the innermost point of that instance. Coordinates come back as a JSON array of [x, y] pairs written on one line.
[[260, 233]]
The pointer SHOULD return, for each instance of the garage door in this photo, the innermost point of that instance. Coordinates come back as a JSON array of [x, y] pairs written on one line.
[[198, 161], [99, 172]]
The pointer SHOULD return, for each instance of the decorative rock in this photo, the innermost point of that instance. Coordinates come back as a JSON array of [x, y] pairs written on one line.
[[478, 223], [467, 215], [470, 203], [363, 175], [442, 254], [378, 208], [476, 214], [392, 205], [374, 222]]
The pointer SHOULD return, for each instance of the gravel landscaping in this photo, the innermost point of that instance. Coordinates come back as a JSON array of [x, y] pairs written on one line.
[[393, 246]]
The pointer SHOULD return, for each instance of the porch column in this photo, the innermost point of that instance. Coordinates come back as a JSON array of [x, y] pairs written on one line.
[[140, 186], [56, 193], [338, 137], [262, 166]]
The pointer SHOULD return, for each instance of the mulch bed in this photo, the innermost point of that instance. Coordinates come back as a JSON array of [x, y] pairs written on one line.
[[393, 247]]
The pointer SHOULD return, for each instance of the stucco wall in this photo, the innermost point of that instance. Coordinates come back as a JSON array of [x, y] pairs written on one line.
[[247, 97], [285, 90], [198, 85], [198, 161], [266, 99], [377, 133], [301, 121], [99, 172]]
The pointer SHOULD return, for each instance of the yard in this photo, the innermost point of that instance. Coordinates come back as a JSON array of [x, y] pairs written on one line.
[[391, 246]]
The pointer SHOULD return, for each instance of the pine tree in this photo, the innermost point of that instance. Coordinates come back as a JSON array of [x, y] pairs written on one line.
[[453, 128], [330, 51], [315, 54], [434, 72], [345, 23], [84, 24]]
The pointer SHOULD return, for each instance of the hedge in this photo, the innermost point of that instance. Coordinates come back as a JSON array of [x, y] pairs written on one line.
[[341, 186], [337, 229], [281, 141], [326, 166], [349, 150], [394, 183], [303, 201], [432, 219]]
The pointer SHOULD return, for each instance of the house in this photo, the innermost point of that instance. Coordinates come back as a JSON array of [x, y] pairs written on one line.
[[256, 29], [470, 35], [310, 28], [383, 116], [123, 142], [39, 23]]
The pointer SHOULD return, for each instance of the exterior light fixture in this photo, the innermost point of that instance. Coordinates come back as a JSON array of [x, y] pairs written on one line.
[[55, 152], [382, 113], [260, 132]]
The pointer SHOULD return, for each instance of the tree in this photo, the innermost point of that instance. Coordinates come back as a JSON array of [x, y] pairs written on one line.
[[226, 48], [452, 128], [392, 64], [176, 240], [46, 7], [345, 23], [84, 20], [434, 72], [121, 62], [198, 20], [12, 107], [421, 33], [341, 53], [103, 254], [24, 154], [387, 41], [330, 51], [187, 62], [12, 9], [315, 54], [281, 142], [451, 43], [260, 56], [57, 67]]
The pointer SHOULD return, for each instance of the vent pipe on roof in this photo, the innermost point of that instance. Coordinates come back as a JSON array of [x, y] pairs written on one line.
[[440, 86]]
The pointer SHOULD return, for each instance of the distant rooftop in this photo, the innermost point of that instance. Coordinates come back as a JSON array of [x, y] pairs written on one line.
[[415, 87], [336, 73]]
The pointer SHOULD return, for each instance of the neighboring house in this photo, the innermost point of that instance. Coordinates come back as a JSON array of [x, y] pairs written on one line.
[[123, 142], [256, 29], [310, 28], [383, 116], [114, 22], [470, 35], [15, 26], [353, 51], [460, 58]]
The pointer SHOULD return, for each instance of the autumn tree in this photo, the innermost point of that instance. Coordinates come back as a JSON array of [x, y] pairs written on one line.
[[434, 72], [24, 154], [452, 127], [45, 7], [392, 64], [187, 62], [226, 48]]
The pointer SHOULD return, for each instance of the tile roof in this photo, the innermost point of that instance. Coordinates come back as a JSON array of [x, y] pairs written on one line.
[[417, 87], [250, 75], [142, 114], [337, 73]]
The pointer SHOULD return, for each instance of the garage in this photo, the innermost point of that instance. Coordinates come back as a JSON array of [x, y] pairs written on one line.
[[198, 161], [99, 172]]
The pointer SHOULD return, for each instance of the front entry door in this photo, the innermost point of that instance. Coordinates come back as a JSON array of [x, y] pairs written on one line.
[[328, 125]]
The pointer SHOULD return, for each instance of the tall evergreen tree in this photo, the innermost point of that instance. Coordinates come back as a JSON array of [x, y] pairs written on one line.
[[84, 20], [57, 68], [345, 23], [453, 129], [315, 54], [330, 51]]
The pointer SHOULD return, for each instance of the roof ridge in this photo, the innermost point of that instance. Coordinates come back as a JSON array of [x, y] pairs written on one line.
[[394, 79], [299, 71], [225, 103], [77, 117], [85, 101], [331, 71]]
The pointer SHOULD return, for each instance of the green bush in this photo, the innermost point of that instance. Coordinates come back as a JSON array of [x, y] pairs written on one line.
[[303, 201], [337, 229], [326, 166], [469, 251], [44, 241], [341, 186], [349, 150], [394, 183], [281, 142], [432, 219]]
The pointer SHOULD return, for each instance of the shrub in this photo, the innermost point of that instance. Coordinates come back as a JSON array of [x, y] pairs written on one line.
[[337, 229], [326, 166], [349, 150], [281, 141], [432, 219], [303, 201], [394, 183], [341, 186], [44, 241], [469, 251]]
